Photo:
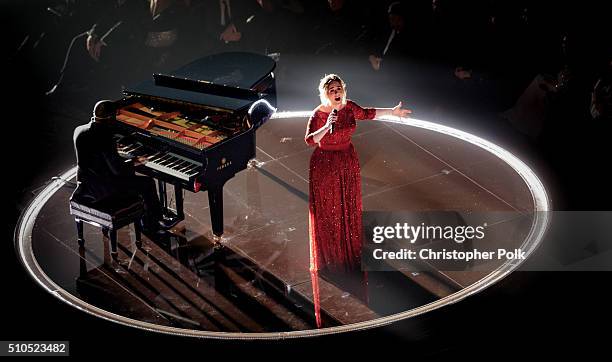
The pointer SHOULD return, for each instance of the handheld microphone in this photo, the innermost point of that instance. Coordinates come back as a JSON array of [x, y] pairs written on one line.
[[331, 127]]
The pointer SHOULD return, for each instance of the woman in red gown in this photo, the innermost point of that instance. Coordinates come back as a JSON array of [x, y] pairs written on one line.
[[335, 182]]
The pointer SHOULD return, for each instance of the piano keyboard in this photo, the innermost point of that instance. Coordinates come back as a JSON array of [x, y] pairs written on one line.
[[166, 162]]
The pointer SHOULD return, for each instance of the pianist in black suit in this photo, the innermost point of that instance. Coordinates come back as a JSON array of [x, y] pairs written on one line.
[[102, 172]]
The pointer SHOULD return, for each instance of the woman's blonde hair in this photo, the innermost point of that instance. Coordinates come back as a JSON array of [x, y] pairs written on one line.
[[324, 86]]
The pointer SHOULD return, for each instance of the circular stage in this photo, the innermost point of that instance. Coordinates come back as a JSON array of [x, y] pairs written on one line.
[[255, 281]]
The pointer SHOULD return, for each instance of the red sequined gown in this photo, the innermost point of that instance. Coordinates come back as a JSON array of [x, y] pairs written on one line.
[[335, 196]]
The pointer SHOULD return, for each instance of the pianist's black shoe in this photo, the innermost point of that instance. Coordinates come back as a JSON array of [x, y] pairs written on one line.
[[168, 222]]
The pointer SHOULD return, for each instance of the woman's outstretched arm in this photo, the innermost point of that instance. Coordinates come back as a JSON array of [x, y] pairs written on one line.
[[397, 111], [371, 113]]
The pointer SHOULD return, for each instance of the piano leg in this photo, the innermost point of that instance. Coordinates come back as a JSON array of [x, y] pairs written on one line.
[[163, 199], [80, 239], [178, 197], [215, 201], [113, 242]]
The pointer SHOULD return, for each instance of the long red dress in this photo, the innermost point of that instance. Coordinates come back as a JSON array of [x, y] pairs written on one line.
[[335, 195], [335, 192]]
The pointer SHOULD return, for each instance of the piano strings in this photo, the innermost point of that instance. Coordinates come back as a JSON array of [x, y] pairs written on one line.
[[171, 125]]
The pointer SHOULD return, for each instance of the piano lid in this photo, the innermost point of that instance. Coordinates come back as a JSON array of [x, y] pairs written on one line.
[[223, 80]]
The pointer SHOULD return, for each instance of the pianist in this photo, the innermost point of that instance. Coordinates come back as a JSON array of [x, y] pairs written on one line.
[[102, 172]]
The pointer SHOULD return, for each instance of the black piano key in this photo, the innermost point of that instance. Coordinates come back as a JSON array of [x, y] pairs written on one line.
[[154, 156], [179, 161], [178, 165], [190, 169], [158, 156], [170, 161], [182, 168], [163, 159], [186, 167], [194, 172]]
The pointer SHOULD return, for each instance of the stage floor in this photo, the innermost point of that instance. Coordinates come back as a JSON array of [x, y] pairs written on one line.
[[256, 278]]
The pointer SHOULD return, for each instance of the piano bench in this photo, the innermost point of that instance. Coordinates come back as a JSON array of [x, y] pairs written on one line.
[[110, 214]]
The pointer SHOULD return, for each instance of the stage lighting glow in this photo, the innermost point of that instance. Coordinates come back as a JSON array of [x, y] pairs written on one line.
[[291, 114], [540, 216]]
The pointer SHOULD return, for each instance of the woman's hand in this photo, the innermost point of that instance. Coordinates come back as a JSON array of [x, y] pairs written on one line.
[[399, 111], [327, 127], [331, 119]]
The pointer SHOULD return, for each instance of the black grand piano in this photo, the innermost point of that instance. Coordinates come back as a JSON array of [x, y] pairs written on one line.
[[196, 125]]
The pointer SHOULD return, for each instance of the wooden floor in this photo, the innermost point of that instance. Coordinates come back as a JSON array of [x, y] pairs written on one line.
[[256, 277]]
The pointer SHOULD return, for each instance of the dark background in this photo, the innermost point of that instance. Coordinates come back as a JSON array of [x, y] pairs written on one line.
[[528, 314]]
